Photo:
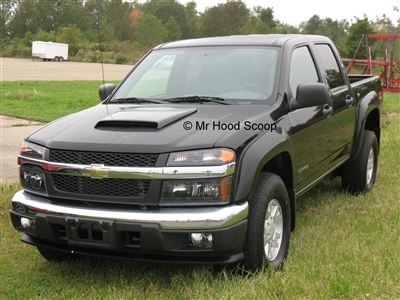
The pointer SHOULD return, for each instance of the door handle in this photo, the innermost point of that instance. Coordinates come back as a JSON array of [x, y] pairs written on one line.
[[327, 111], [349, 101]]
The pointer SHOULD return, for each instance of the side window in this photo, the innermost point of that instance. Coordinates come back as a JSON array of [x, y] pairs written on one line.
[[302, 69], [331, 67]]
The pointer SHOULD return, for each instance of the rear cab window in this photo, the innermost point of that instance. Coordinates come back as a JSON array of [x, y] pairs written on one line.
[[332, 73]]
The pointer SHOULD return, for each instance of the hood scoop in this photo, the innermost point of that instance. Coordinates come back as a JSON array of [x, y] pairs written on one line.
[[149, 117]]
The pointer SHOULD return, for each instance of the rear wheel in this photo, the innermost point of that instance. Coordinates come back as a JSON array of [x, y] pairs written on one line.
[[60, 58], [359, 174], [268, 232], [56, 58]]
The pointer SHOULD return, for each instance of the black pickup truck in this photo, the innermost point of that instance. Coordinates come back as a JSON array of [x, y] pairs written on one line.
[[200, 153]]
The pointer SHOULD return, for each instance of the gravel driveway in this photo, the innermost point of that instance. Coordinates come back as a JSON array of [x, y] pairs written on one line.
[[13, 131]]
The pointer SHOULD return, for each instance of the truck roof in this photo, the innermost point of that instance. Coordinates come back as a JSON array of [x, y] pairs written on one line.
[[240, 40]]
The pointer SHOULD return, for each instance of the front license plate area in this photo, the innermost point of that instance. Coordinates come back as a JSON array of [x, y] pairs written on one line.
[[90, 232]]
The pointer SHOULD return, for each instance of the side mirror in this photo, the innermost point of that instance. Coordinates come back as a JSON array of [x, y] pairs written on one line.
[[105, 90], [309, 95]]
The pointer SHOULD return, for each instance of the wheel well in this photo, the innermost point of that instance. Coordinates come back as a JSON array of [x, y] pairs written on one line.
[[372, 123], [281, 165]]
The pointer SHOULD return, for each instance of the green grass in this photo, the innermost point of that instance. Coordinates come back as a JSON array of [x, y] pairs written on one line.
[[46, 101], [344, 247]]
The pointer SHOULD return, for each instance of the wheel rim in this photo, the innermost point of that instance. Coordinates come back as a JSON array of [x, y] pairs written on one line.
[[370, 165], [273, 230]]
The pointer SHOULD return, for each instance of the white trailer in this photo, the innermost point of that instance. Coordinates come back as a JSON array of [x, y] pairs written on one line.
[[50, 51]]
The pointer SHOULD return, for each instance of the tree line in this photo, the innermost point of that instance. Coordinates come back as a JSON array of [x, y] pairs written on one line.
[[124, 30]]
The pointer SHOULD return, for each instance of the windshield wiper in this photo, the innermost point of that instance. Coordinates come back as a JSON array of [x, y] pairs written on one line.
[[199, 99], [135, 100]]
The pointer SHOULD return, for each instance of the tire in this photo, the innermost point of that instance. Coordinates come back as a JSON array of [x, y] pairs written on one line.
[[359, 175], [53, 255], [268, 231], [56, 58], [61, 58]]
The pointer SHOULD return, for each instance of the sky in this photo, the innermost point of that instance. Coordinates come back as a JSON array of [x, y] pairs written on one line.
[[293, 12]]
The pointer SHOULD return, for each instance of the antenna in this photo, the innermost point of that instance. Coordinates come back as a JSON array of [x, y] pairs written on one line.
[[101, 51], [101, 47]]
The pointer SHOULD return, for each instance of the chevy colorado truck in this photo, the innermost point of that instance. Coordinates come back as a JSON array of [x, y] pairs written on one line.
[[202, 161]]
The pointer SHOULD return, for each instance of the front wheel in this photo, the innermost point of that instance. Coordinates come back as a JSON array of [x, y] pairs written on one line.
[[359, 175], [268, 232]]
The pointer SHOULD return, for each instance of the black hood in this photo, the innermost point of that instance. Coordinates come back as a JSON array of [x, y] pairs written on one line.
[[146, 128]]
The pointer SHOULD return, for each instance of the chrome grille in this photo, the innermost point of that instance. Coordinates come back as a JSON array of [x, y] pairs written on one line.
[[104, 158], [101, 187]]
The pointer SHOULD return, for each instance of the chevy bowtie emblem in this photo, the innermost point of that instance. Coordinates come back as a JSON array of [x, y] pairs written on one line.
[[96, 171]]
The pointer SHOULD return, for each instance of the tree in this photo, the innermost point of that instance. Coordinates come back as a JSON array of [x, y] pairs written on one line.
[[286, 28], [192, 20], [384, 25], [44, 36], [26, 18], [94, 11], [70, 35], [164, 9], [261, 21], [211, 21], [356, 30], [225, 19], [48, 14], [7, 10], [335, 30], [135, 15], [173, 31], [150, 31], [73, 12], [255, 26], [117, 14], [312, 25], [267, 17]]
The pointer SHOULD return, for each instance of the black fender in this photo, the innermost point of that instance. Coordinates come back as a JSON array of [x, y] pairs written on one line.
[[255, 156], [368, 105]]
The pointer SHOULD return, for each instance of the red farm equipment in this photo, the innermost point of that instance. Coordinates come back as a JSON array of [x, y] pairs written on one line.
[[390, 76]]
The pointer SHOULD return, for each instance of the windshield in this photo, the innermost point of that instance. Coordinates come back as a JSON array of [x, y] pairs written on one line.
[[235, 73]]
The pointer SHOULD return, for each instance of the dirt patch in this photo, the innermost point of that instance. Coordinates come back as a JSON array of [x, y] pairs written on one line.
[[15, 69]]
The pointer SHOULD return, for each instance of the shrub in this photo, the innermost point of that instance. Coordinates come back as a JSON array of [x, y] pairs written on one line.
[[120, 59]]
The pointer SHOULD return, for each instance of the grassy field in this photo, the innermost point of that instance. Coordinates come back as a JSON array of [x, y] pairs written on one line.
[[344, 247], [46, 101]]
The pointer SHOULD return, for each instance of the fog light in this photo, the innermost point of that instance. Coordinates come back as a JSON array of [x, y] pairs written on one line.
[[203, 240], [26, 223]]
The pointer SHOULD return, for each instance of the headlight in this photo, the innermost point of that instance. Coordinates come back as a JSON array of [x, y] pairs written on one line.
[[32, 180], [209, 157], [196, 191], [202, 191], [31, 150]]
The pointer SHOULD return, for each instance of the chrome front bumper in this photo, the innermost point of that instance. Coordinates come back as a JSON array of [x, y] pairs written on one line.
[[189, 218]]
